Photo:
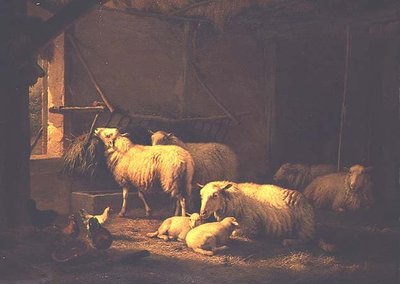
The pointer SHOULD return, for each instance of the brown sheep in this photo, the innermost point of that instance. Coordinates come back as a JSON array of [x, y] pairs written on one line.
[[344, 191], [147, 167], [298, 176], [266, 209]]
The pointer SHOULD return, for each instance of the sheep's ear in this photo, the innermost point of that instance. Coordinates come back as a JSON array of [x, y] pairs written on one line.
[[229, 185], [150, 131], [200, 185], [169, 135], [368, 169], [125, 134], [234, 222], [188, 214]]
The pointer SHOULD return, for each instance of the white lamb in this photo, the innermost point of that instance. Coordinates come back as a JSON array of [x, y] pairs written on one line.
[[211, 237], [176, 227]]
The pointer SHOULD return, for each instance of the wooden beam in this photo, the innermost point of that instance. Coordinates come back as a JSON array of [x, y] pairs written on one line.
[[186, 119], [217, 101], [58, 23], [65, 109], [186, 58], [89, 72], [344, 100], [134, 12], [192, 6]]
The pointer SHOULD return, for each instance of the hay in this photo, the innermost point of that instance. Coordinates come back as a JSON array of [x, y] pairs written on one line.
[[85, 159]]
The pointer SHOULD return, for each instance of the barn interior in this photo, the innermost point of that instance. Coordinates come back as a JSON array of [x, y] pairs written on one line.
[[305, 81]]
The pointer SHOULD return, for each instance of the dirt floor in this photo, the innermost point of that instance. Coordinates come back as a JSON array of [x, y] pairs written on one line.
[[368, 253]]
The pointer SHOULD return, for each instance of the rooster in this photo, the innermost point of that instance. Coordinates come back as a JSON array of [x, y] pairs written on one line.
[[102, 218], [101, 238], [40, 219]]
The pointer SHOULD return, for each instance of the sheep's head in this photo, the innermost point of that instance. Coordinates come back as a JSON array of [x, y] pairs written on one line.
[[108, 136], [213, 198], [161, 138], [232, 221], [358, 177], [282, 173], [195, 220]]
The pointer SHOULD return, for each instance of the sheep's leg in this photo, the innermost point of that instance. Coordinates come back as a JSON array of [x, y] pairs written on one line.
[[125, 191], [182, 202], [152, 235], [220, 248], [203, 251], [146, 205], [177, 207], [293, 242]]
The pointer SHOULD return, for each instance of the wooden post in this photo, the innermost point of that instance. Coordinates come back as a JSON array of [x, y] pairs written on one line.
[[269, 60], [344, 100], [187, 34]]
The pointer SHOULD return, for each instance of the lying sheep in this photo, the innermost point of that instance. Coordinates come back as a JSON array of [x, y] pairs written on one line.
[[298, 176], [176, 227], [265, 209], [212, 161], [351, 190], [211, 237], [147, 167]]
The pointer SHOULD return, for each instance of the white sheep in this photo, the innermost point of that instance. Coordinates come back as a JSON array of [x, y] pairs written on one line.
[[212, 161], [344, 191], [176, 227], [261, 209], [298, 176], [147, 167], [211, 237]]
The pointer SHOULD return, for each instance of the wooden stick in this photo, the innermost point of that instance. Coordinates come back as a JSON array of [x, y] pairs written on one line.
[[96, 117], [192, 6], [89, 72], [134, 12], [65, 109], [187, 119], [345, 87], [37, 138], [200, 78]]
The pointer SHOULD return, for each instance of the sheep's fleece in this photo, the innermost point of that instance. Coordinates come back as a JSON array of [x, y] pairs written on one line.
[[261, 209]]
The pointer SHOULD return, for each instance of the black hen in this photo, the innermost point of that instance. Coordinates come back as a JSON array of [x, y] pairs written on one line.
[[40, 219], [101, 238]]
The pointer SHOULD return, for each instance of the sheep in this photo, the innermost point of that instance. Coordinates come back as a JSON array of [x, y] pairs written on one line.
[[212, 161], [211, 237], [176, 227], [261, 209], [147, 167], [298, 176], [343, 191]]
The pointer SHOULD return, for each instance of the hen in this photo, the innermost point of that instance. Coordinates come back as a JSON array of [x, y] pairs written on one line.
[[102, 218], [72, 229], [101, 238], [40, 219]]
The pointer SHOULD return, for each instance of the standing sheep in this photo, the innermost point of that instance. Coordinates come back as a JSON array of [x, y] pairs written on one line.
[[298, 176], [212, 161], [211, 237], [147, 167], [176, 227], [267, 209], [351, 190]]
